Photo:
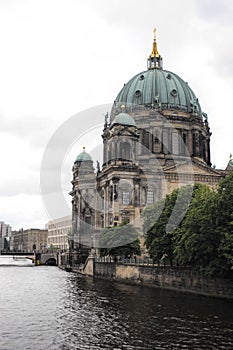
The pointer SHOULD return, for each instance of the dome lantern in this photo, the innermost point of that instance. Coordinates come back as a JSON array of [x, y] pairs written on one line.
[[155, 60]]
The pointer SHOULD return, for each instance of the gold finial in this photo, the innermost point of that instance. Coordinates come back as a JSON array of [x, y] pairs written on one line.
[[154, 52], [84, 148]]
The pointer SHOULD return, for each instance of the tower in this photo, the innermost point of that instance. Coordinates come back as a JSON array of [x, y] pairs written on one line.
[[83, 197], [117, 183]]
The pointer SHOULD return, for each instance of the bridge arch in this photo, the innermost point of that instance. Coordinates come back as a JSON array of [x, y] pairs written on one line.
[[49, 259], [51, 262]]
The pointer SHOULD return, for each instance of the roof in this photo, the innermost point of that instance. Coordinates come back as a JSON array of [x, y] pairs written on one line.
[[84, 156], [124, 119], [158, 86]]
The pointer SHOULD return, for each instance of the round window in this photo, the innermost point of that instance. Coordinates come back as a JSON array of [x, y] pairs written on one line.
[[174, 93]]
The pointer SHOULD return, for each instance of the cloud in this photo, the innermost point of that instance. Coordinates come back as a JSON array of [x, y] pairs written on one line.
[[20, 185], [20, 167], [60, 57], [23, 211], [215, 28], [220, 12], [34, 129]]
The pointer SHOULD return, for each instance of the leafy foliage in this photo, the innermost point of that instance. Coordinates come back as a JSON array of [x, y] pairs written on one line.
[[225, 221], [201, 236], [196, 241], [120, 241], [160, 230]]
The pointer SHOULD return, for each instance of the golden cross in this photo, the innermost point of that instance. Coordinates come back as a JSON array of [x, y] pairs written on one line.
[[154, 34]]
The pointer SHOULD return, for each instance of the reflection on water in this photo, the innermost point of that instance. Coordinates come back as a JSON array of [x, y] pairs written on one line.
[[46, 308]]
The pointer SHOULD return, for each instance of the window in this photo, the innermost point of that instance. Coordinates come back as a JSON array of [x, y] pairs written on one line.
[[125, 198], [150, 198], [88, 220], [146, 136], [125, 151], [166, 147], [175, 143], [125, 219], [86, 224], [102, 221], [184, 143]]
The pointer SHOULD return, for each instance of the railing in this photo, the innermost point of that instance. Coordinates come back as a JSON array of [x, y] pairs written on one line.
[[125, 261], [136, 261]]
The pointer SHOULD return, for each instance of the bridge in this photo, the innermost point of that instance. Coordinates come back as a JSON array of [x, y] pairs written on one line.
[[48, 259], [39, 258]]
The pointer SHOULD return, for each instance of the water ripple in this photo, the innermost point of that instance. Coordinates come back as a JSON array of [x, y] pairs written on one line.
[[46, 308]]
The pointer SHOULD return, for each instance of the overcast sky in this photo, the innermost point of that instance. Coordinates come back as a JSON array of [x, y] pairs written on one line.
[[59, 57]]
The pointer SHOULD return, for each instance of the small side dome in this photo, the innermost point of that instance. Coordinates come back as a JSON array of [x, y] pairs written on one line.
[[230, 164], [84, 156], [124, 119]]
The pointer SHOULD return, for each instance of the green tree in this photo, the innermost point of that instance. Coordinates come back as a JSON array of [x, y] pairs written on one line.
[[120, 241], [196, 240], [193, 226], [224, 219], [161, 222]]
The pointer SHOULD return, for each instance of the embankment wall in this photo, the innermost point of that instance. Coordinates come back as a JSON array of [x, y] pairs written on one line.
[[184, 280]]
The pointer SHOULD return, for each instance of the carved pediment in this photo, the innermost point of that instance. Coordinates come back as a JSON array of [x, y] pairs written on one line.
[[124, 131], [192, 166]]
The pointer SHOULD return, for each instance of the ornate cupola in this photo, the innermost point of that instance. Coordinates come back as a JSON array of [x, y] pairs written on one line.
[[83, 170], [120, 139], [155, 60], [83, 163]]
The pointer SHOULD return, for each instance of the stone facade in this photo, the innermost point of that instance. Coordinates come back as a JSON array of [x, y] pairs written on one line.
[[29, 240], [156, 139]]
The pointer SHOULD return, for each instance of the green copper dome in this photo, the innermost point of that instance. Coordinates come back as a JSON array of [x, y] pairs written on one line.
[[124, 119], [83, 157], [157, 88]]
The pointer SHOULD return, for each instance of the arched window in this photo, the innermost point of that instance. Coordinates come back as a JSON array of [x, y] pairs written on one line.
[[150, 198], [175, 143], [109, 153], [125, 198], [125, 150]]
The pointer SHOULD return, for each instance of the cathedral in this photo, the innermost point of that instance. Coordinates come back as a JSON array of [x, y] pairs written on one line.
[[156, 139]]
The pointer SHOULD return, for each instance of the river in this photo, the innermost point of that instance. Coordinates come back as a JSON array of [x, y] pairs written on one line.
[[45, 308]]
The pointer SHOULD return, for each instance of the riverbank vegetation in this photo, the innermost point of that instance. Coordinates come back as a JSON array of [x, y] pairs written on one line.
[[120, 241], [194, 228]]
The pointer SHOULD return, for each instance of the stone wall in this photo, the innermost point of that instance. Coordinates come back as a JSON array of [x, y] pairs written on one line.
[[105, 269], [45, 257], [161, 277], [88, 268]]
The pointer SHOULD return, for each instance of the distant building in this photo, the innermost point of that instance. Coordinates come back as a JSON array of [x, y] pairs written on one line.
[[5, 236], [30, 239], [58, 232]]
